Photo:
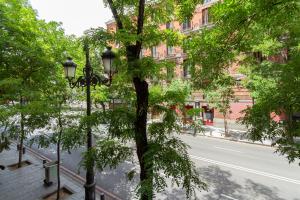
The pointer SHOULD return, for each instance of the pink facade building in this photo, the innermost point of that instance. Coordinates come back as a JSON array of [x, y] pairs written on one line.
[[162, 51]]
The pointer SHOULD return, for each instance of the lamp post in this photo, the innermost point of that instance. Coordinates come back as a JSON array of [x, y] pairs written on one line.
[[87, 80]]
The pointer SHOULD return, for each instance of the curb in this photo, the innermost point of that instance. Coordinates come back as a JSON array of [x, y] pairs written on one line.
[[234, 140], [228, 139], [73, 175], [220, 128]]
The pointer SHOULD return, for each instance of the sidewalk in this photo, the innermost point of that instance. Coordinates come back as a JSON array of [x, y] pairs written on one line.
[[26, 183], [237, 132], [232, 124]]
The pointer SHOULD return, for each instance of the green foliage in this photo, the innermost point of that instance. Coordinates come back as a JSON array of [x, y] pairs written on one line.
[[4, 139], [275, 91], [62, 125], [185, 8], [31, 75], [238, 27], [121, 124], [112, 146], [139, 27], [166, 154], [177, 92], [271, 29], [169, 155], [220, 93], [194, 111], [107, 153]]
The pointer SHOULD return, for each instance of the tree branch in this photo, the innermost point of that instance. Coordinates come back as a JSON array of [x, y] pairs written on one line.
[[140, 23], [115, 14]]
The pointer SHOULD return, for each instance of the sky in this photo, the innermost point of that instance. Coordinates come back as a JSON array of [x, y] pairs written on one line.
[[76, 15]]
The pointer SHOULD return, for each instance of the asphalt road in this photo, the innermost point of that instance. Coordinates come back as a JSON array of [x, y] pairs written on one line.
[[233, 171], [243, 171]]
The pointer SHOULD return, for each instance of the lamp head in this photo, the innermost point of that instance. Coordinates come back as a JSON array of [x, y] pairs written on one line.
[[69, 68]]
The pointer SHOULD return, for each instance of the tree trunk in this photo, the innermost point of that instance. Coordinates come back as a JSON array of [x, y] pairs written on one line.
[[21, 136], [58, 157], [142, 93], [225, 126], [289, 126], [141, 140], [103, 106]]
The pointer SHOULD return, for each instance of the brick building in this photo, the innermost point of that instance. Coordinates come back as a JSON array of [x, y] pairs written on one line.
[[199, 20]]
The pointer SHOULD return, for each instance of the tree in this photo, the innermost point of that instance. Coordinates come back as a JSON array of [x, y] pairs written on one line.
[[62, 124], [138, 27], [22, 58], [263, 36], [29, 50], [220, 94], [4, 139]]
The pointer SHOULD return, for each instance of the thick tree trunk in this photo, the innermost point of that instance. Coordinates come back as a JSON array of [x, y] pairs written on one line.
[[58, 157], [142, 93], [21, 136], [141, 140]]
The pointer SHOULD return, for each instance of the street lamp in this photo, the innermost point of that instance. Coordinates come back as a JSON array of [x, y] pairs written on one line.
[[109, 69], [108, 62], [69, 68], [87, 80]]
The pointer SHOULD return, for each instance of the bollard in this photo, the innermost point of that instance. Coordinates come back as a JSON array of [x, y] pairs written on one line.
[[102, 197], [50, 172]]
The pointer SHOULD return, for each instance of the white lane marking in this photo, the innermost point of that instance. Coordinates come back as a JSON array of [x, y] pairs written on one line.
[[228, 197], [247, 170], [226, 149]]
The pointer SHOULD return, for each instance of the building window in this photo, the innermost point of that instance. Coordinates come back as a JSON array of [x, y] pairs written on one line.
[[154, 80], [186, 25], [206, 1], [141, 53], [170, 73], [154, 52], [169, 25], [186, 42], [205, 16], [186, 69], [170, 50], [258, 56]]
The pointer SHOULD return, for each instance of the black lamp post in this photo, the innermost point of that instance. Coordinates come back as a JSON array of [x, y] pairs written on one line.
[[87, 80]]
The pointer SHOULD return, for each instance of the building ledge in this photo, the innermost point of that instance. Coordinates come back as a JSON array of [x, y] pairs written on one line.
[[110, 21]]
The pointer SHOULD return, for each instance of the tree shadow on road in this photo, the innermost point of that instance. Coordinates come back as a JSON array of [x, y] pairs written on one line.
[[259, 191], [173, 194], [219, 183], [222, 187], [116, 181]]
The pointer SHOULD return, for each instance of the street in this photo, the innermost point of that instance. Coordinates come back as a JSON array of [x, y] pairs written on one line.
[[232, 170], [243, 171]]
